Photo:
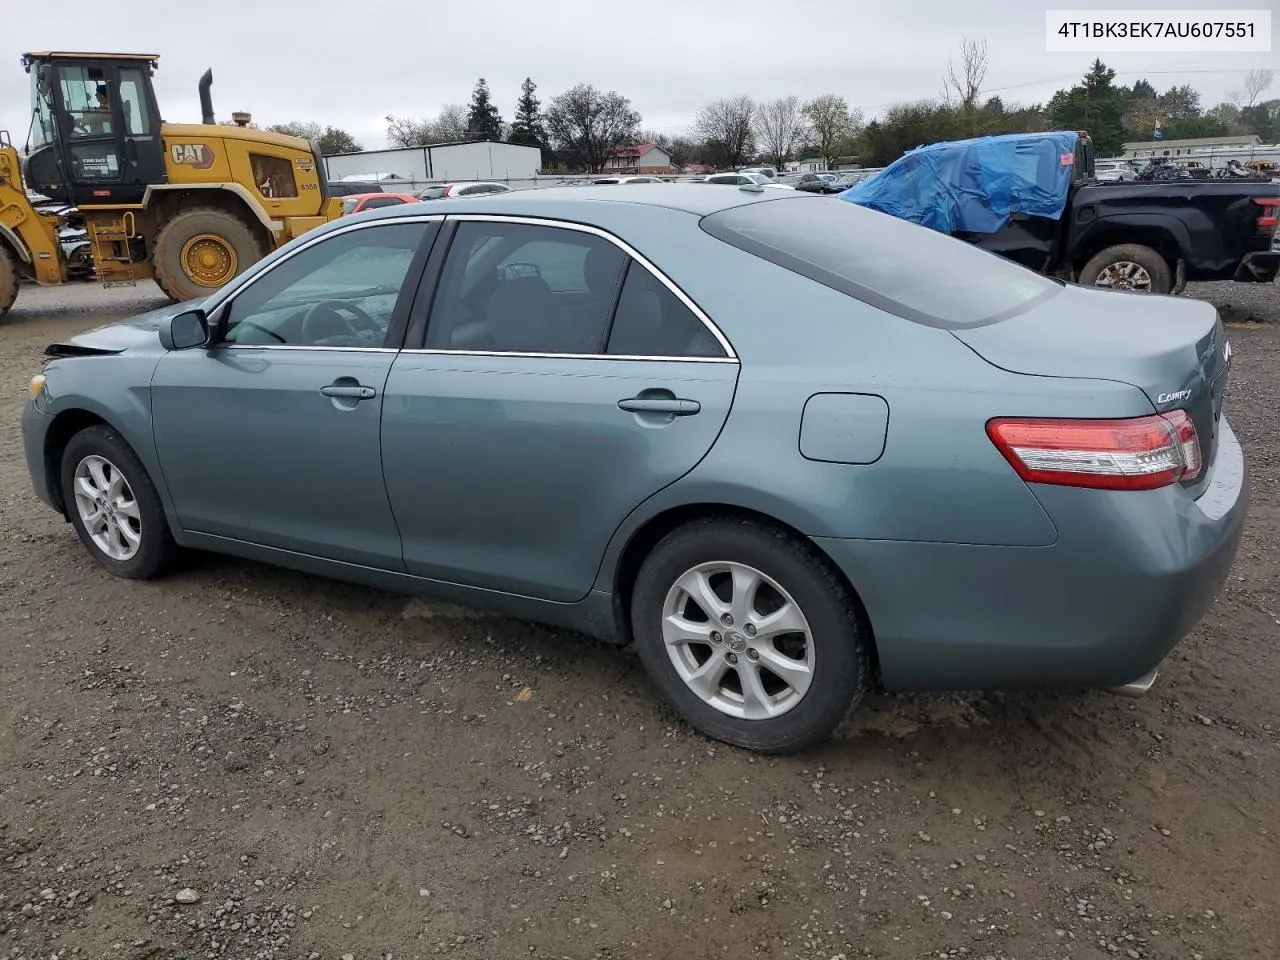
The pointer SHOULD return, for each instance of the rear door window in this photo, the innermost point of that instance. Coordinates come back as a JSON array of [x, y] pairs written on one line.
[[892, 264], [522, 288], [651, 321]]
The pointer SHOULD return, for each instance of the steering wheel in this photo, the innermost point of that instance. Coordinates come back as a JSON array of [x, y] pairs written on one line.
[[325, 319]]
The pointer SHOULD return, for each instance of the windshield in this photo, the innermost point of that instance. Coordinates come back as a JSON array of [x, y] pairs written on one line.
[[41, 110], [432, 193], [877, 258]]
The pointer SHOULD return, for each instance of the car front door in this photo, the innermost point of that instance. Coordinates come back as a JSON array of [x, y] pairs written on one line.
[[271, 435], [537, 414]]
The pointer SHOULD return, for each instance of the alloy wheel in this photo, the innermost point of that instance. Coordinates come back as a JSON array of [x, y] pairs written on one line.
[[738, 640], [108, 508]]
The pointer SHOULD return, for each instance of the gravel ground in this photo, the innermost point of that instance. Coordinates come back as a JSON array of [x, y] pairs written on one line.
[[244, 762]]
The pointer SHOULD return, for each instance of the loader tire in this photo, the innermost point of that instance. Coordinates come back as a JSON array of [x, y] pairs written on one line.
[[200, 250], [8, 281]]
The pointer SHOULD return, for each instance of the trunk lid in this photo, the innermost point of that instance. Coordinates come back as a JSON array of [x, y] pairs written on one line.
[[1174, 350]]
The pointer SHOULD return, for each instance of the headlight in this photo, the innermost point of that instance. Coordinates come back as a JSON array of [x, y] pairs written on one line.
[[37, 385]]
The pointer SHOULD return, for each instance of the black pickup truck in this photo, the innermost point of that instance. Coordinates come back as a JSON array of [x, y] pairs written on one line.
[[1149, 236]]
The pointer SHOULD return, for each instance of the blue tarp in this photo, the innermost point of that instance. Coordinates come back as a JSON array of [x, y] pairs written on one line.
[[974, 185]]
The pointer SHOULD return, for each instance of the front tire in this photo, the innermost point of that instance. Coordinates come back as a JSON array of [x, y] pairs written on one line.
[[199, 251], [1128, 266], [8, 281], [114, 507], [750, 634]]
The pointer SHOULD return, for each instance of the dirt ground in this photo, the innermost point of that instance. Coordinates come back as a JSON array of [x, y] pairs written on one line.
[[333, 772]]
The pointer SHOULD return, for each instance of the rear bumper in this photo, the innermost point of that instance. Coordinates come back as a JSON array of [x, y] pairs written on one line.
[[1130, 575], [1260, 267]]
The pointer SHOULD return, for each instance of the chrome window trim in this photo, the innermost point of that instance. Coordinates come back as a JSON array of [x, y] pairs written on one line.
[[559, 356], [230, 296], [731, 355]]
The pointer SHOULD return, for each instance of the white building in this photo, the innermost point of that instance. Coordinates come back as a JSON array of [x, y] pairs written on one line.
[[441, 162]]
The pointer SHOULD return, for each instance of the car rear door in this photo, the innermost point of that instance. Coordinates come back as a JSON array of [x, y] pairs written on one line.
[[525, 426]]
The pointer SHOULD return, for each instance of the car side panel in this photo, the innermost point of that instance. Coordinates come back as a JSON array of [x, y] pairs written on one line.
[[1131, 574], [119, 393]]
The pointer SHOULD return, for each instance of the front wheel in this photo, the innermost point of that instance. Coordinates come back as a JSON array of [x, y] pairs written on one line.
[[8, 281], [201, 250], [113, 505], [750, 634], [1128, 266]]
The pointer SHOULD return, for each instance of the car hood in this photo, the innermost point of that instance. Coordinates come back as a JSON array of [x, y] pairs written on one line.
[[139, 331]]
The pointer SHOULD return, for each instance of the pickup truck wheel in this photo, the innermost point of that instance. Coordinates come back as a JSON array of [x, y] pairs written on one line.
[[1128, 266]]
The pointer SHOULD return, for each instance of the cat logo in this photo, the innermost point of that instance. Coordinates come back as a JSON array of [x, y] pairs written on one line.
[[304, 164], [199, 156]]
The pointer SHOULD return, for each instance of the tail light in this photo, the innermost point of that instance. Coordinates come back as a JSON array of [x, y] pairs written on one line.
[[1270, 216], [1138, 454]]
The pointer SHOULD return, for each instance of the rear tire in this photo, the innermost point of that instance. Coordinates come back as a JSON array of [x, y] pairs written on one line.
[[199, 251], [8, 281], [113, 505], [1128, 266], [782, 658]]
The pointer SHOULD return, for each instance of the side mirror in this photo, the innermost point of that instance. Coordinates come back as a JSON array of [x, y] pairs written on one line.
[[186, 330]]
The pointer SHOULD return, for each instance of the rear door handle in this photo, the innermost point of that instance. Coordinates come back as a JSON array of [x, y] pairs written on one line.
[[355, 393], [674, 405]]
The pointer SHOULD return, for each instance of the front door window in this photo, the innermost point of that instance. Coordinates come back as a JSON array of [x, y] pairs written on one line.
[[338, 293]]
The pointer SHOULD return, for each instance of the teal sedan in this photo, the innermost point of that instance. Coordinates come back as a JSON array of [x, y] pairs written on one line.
[[791, 449]]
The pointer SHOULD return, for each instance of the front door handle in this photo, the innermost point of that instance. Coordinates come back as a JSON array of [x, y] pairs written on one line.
[[352, 392], [672, 405]]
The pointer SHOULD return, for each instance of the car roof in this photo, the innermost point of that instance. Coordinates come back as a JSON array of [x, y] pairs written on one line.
[[697, 198]]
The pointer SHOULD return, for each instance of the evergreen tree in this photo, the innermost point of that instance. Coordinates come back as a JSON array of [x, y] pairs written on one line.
[[483, 120], [528, 128], [1095, 105]]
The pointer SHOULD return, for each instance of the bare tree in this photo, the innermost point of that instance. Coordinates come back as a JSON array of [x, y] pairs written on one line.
[[831, 124], [727, 126], [1255, 82], [780, 127], [965, 84], [449, 125], [590, 125]]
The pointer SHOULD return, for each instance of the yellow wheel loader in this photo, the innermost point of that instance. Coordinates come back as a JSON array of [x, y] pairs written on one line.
[[190, 205]]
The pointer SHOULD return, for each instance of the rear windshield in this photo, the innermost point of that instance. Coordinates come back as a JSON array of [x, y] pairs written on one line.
[[433, 193], [894, 265]]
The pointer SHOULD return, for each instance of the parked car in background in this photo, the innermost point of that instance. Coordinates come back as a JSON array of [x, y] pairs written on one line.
[[1115, 170], [360, 202], [629, 178], [770, 172], [347, 188], [631, 445], [743, 178], [803, 181], [471, 188], [836, 184]]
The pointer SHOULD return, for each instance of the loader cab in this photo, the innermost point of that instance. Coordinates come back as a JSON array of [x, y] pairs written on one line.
[[95, 128]]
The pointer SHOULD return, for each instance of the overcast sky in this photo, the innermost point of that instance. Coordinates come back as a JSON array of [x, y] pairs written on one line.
[[331, 60]]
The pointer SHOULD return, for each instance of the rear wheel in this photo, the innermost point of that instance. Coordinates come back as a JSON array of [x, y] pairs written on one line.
[[1128, 266], [199, 251], [8, 280], [750, 634], [114, 506]]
